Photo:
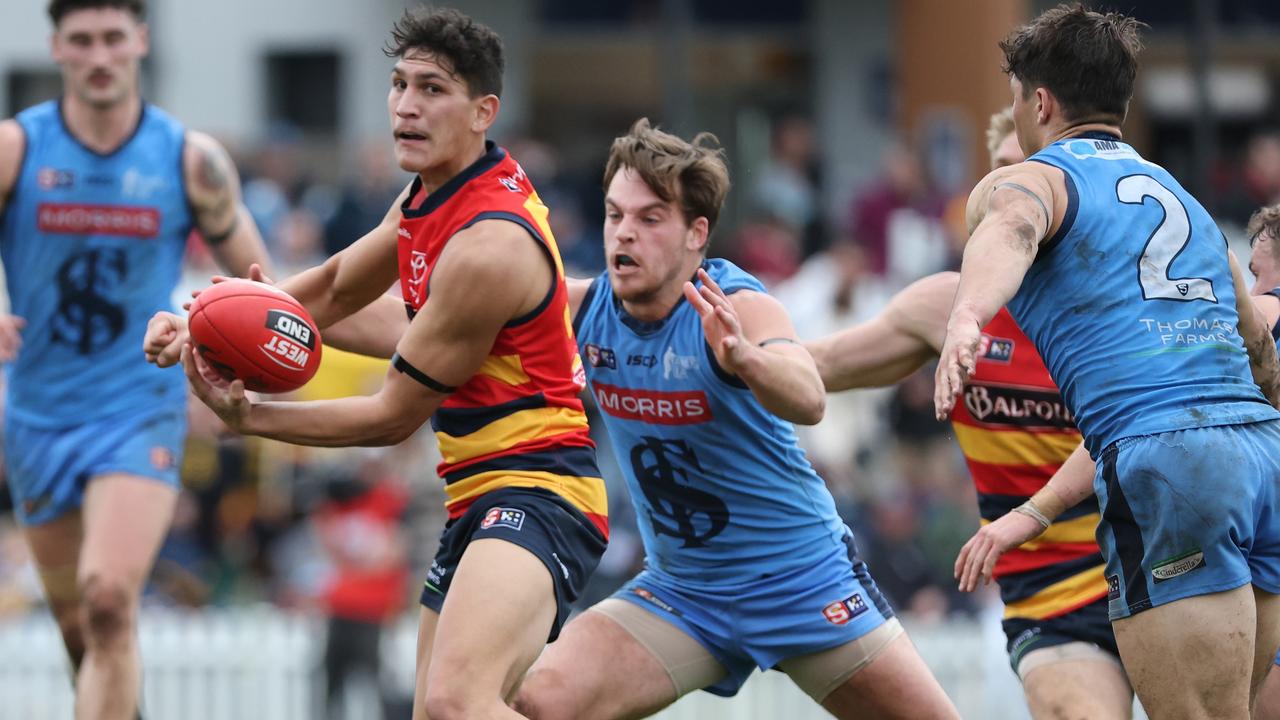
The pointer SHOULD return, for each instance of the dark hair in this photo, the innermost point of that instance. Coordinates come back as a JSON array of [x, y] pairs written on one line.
[[691, 173], [58, 9], [472, 51], [1087, 59]]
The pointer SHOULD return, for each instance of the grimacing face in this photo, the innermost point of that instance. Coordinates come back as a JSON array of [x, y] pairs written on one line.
[[1262, 256], [647, 242], [100, 51], [431, 111]]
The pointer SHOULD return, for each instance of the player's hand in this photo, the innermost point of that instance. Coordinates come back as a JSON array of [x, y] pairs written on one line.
[[166, 334], [955, 364], [719, 322], [977, 559], [255, 274], [10, 336], [227, 400]]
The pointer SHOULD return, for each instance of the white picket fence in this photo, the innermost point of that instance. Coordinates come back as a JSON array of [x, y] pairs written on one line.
[[251, 663]]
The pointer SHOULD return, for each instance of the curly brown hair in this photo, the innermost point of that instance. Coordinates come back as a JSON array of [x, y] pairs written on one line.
[[692, 173], [1265, 218], [471, 51]]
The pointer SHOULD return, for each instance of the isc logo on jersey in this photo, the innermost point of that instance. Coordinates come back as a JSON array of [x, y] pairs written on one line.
[[291, 342]]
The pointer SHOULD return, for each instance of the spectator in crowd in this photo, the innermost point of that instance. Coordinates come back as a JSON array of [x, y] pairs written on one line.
[[897, 220]]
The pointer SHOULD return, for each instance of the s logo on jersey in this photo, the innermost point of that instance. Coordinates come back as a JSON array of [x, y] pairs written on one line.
[[601, 357], [503, 517], [666, 471], [842, 611]]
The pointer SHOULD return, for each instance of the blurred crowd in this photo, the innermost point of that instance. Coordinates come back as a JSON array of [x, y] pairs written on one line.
[[349, 533]]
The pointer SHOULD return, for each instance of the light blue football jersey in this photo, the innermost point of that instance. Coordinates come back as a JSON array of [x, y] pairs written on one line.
[[1131, 303], [92, 245], [722, 490]]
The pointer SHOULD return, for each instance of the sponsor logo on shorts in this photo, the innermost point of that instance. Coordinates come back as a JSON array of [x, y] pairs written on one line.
[[842, 611], [1021, 643], [161, 458], [654, 406], [644, 594], [503, 517], [35, 504], [435, 576], [601, 357], [1180, 565], [1113, 587]]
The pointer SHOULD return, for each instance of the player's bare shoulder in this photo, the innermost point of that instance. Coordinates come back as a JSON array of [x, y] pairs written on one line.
[[1036, 182], [12, 145], [501, 260]]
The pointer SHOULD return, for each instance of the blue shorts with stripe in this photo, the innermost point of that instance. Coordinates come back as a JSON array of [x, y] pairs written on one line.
[[763, 621], [1189, 512], [49, 468]]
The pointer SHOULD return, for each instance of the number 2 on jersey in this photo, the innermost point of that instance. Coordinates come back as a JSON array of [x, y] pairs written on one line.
[[1165, 244]]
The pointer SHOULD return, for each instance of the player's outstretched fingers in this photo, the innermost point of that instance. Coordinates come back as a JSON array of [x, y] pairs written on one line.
[[710, 284], [256, 275], [696, 300]]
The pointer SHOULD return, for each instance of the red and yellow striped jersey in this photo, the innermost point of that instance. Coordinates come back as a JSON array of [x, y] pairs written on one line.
[[518, 422], [1015, 432]]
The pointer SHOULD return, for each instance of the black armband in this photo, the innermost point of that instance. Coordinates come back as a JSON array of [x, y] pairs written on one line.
[[222, 236], [402, 365]]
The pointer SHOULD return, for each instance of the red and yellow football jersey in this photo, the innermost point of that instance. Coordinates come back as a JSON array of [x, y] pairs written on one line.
[[518, 422], [1015, 432]]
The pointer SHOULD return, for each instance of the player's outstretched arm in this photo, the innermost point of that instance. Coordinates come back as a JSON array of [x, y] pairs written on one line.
[[1010, 213], [1256, 334], [213, 188], [886, 349], [445, 345], [753, 338], [1071, 484]]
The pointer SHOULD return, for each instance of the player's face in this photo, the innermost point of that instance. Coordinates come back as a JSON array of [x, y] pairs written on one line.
[[432, 112], [100, 50], [647, 242], [1262, 258], [1008, 152]]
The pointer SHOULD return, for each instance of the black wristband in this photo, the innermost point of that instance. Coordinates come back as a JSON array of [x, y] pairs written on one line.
[[402, 365]]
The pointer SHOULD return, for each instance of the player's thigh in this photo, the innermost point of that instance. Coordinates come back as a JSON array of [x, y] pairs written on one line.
[[1076, 681], [878, 676], [1192, 658], [494, 622], [427, 620], [1267, 705], [615, 661], [126, 518], [1267, 638], [55, 548]]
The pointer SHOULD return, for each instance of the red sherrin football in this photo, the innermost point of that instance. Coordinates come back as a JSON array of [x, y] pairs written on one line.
[[257, 333]]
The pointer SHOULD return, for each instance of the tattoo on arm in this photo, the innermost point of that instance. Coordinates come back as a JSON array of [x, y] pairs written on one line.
[[215, 198]]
